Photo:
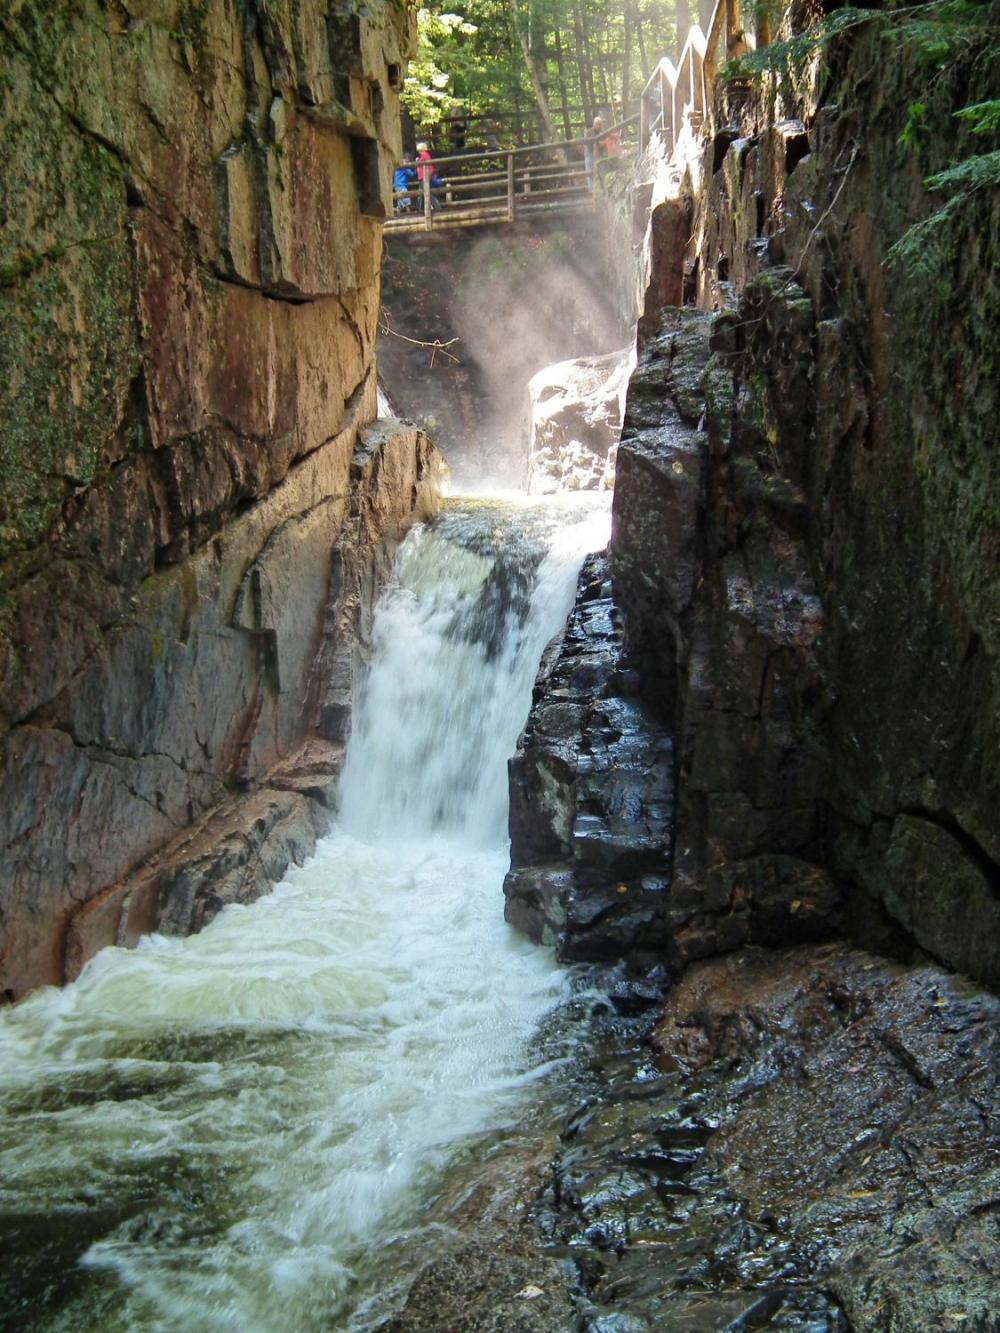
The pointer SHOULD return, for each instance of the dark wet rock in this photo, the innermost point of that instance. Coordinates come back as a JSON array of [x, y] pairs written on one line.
[[488, 1289], [591, 789], [668, 235], [722, 620], [596, 869], [803, 1135], [793, 1139], [893, 1071], [855, 452]]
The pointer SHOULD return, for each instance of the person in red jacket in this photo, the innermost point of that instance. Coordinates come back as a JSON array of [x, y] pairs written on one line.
[[423, 157]]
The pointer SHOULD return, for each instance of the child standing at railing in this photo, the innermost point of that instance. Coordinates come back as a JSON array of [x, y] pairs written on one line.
[[424, 164], [609, 144]]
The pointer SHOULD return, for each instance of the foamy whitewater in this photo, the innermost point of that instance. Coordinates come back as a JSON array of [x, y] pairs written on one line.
[[232, 1131]]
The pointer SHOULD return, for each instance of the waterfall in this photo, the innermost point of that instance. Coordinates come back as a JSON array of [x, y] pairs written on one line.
[[232, 1131]]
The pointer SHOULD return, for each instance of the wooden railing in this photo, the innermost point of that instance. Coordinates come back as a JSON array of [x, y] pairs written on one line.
[[681, 94], [502, 185]]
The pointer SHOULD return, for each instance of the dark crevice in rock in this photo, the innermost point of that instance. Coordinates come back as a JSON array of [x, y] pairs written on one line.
[[974, 850], [721, 144], [286, 293]]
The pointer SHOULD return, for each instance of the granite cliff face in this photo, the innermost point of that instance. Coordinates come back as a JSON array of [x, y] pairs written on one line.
[[196, 511], [805, 548], [865, 447]]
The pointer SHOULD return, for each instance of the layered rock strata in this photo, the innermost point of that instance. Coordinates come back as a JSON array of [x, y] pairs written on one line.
[[195, 511], [712, 581], [713, 578], [805, 541], [881, 436], [591, 795]]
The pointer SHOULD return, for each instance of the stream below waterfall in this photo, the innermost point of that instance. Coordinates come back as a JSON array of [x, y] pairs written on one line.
[[243, 1129]]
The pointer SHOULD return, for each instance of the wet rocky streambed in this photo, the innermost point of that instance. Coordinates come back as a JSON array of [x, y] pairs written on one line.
[[798, 1139]]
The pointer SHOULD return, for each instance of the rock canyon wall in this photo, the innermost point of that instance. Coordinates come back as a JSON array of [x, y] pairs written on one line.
[[196, 506], [806, 547]]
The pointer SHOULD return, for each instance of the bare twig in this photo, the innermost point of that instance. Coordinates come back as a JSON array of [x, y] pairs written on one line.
[[827, 211], [436, 346]]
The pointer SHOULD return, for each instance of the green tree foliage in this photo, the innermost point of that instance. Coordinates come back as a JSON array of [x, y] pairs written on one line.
[[497, 62], [443, 55]]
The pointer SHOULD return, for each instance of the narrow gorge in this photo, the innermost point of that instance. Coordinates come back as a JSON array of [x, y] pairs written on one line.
[[499, 720]]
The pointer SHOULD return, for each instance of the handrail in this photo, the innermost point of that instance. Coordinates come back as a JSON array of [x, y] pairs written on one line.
[[715, 26], [674, 97], [678, 94], [479, 154], [674, 93], [517, 181]]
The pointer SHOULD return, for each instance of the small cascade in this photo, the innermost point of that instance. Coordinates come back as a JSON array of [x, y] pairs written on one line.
[[234, 1131], [457, 644]]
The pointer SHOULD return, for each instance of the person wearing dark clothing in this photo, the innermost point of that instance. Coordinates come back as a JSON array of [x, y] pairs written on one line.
[[404, 178]]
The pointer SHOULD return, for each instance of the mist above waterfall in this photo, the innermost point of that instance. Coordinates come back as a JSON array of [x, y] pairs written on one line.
[[515, 301]]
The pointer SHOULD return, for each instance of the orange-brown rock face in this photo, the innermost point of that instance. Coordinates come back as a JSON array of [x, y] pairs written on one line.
[[194, 509]]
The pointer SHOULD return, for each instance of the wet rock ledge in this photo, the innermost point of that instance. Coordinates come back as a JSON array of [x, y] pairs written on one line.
[[799, 1139], [591, 795]]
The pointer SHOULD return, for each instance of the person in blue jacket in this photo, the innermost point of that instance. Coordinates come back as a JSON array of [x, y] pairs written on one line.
[[404, 178]]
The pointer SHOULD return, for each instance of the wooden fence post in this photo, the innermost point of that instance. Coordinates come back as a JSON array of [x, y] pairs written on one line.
[[427, 198], [510, 187]]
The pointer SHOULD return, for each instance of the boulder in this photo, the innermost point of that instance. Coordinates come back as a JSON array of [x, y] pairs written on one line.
[[575, 418], [591, 795]]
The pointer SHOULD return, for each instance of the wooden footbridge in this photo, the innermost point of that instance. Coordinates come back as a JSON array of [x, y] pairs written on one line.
[[500, 185]]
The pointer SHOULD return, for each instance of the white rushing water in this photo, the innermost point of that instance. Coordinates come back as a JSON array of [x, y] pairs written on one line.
[[231, 1131]]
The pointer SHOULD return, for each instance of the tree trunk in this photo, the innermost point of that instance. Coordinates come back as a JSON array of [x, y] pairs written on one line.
[[537, 85], [583, 63], [643, 58], [563, 95], [627, 60], [602, 60]]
